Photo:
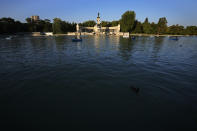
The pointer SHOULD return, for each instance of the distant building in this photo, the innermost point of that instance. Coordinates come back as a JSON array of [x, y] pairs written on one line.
[[98, 29], [35, 18]]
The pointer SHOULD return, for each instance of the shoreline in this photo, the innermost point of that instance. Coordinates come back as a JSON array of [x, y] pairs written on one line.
[[35, 34], [148, 35], [158, 35]]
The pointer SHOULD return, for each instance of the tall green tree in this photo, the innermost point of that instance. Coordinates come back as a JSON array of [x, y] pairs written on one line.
[[146, 26], [127, 21], [153, 28], [57, 26], [162, 26], [138, 28]]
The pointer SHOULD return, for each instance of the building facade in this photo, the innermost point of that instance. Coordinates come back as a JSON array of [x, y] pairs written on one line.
[[98, 29], [35, 18]]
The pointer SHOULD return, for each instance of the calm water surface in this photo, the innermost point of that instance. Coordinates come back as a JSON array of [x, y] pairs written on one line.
[[53, 83]]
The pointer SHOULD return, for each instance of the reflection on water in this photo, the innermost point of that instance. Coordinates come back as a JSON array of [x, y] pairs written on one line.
[[54, 81], [126, 47]]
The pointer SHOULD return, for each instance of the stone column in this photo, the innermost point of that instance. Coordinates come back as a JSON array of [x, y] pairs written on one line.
[[118, 28], [77, 28]]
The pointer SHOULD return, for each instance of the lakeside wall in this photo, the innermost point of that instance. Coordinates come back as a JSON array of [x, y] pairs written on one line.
[[87, 33]]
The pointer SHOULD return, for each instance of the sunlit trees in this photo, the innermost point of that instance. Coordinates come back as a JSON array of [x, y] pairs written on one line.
[[106, 24], [127, 21], [115, 23], [176, 30], [61, 27], [90, 23], [153, 28], [146, 27], [162, 26], [191, 30]]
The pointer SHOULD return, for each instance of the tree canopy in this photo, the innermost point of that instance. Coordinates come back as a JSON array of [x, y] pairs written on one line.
[[90, 23], [146, 27], [61, 27], [162, 25], [127, 21]]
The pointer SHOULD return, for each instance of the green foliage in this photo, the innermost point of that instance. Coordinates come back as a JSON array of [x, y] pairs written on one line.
[[47, 26], [89, 23], [138, 27], [153, 29], [9, 25], [109, 24], [162, 26], [106, 24], [176, 30], [191, 30], [115, 23], [146, 27], [127, 21], [61, 27], [57, 27]]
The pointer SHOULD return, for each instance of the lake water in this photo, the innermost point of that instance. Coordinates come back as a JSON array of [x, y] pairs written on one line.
[[53, 83]]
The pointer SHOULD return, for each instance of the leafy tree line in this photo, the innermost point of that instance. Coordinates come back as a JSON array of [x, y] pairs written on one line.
[[92, 23], [62, 27], [10, 26], [129, 23], [39, 25]]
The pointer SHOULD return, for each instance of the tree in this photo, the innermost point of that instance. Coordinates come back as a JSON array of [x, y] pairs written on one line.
[[90, 23], [153, 29], [162, 26], [138, 28], [115, 23], [47, 26], [191, 30], [105, 24], [8, 25], [146, 27], [127, 21], [28, 20], [57, 26], [176, 30]]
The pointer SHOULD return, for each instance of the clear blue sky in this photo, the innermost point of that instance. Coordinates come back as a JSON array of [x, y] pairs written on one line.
[[176, 11]]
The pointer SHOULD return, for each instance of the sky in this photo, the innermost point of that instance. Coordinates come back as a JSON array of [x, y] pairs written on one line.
[[183, 12]]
